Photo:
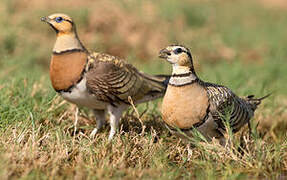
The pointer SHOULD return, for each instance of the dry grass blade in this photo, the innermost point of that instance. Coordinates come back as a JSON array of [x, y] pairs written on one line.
[[137, 114]]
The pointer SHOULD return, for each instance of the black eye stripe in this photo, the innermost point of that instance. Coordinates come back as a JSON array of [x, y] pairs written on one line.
[[61, 19], [68, 21], [179, 50]]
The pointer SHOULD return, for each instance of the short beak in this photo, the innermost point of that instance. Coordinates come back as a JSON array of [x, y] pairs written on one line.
[[45, 19], [164, 53]]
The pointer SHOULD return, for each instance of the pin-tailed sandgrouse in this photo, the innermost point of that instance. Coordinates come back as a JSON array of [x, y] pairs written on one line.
[[101, 82], [190, 102]]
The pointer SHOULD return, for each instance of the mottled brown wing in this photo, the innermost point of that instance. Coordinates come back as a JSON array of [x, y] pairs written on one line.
[[112, 80], [222, 102]]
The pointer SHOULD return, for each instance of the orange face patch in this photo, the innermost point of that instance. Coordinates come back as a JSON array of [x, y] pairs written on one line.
[[61, 22], [184, 60], [64, 27]]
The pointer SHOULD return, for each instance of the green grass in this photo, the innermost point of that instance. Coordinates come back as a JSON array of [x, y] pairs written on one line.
[[239, 44]]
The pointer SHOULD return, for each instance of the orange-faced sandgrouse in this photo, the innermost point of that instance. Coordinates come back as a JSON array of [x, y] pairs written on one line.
[[192, 103], [99, 81]]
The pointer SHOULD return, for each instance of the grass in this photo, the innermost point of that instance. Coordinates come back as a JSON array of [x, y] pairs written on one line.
[[240, 44]]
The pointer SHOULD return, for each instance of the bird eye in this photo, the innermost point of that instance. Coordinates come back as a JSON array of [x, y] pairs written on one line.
[[178, 50], [59, 19]]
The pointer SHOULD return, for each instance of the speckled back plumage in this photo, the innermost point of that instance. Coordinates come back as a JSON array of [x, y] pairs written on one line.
[[224, 103], [112, 80]]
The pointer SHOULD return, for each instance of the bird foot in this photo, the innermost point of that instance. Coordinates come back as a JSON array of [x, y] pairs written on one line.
[[93, 133], [111, 136]]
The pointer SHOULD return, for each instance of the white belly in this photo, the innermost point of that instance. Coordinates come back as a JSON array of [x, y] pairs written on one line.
[[80, 96]]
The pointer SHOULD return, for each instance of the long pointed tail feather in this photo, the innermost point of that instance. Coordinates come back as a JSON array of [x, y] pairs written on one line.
[[160, 79], [266, 96], [157, 86], [254, 102], [163, 78]]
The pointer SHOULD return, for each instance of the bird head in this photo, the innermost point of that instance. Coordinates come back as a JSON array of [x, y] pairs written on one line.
[[177, 55], [61, 23]]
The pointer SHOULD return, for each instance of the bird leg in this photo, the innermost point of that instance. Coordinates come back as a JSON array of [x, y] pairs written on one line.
[[249, 129], [76, 120], [100, 120], [115, 113]]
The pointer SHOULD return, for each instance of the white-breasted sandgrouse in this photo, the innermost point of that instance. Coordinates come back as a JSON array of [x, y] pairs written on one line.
[[192, 103], [101, 82]]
